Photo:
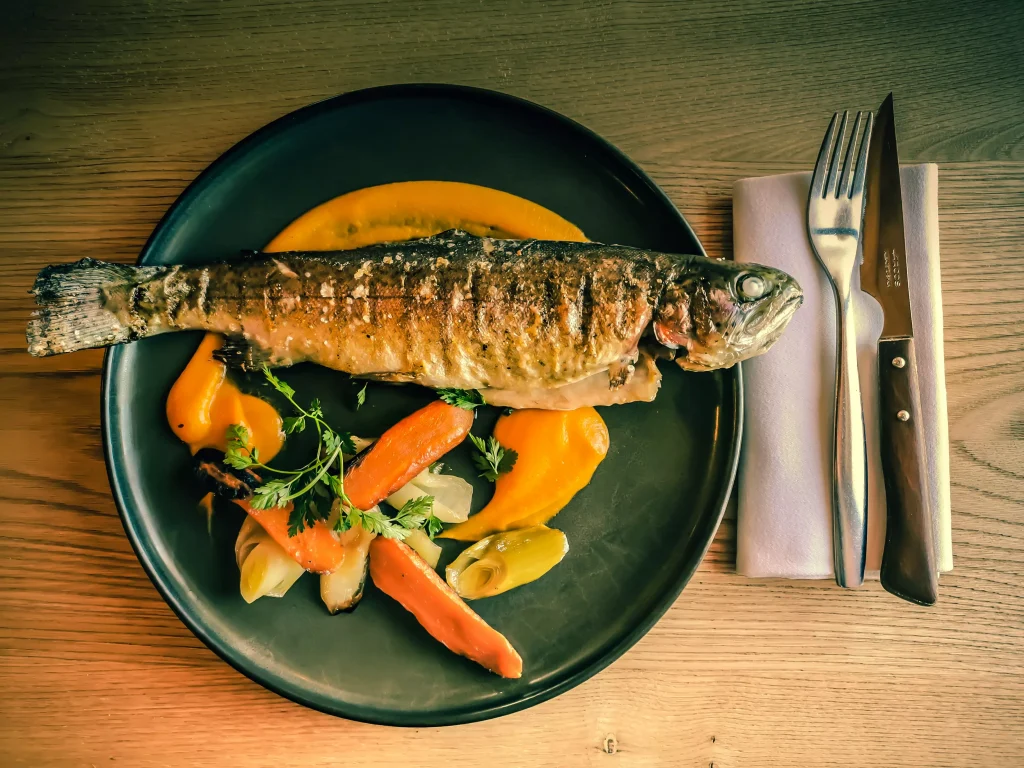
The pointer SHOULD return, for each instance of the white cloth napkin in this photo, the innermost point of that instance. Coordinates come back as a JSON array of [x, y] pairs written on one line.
[[784, 525]]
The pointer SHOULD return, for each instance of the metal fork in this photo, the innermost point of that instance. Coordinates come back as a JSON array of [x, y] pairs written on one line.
[[835, 210]]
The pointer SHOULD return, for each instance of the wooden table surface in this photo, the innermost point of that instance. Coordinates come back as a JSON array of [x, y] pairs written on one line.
[[108, 108]]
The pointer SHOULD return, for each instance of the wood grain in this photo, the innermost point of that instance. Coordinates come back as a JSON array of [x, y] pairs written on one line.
[[108, 108]]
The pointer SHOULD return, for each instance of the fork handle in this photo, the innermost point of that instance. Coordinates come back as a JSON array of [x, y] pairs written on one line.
[[850, 477]]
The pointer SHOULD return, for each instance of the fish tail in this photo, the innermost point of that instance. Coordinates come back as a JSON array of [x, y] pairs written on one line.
[[86, 304]]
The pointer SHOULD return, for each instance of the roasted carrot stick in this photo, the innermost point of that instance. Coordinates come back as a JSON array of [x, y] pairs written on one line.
[[315, 549], [400, 573], [404, 451]]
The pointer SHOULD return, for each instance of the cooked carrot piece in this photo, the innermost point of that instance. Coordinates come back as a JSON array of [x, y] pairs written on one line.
[[316, 548], [405, 450], [400, 573]]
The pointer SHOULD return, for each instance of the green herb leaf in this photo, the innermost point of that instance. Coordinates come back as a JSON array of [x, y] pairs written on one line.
[[294, 424], [330, 440], [315, 411], [508, 460], [343, 523], [305, 514], [414, 512], [462, 398], [237, 459], [272, 494], [434, 526], [375, 521], [361, 397], [491, 459], [238, 436], [277, 384]]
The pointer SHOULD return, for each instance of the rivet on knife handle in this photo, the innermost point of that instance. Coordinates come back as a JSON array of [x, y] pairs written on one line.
[[908, 559]]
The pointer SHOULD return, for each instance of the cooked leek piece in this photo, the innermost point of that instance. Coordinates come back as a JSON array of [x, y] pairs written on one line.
[[266, 569], [506, 560]]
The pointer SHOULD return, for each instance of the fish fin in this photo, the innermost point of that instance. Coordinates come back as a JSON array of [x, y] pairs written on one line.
[[237, 352], [86, 304]]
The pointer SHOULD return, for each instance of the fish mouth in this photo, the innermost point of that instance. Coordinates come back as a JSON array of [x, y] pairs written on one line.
[[770, 332]]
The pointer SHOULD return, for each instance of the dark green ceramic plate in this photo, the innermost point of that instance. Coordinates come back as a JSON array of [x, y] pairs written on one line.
[[636, 533]]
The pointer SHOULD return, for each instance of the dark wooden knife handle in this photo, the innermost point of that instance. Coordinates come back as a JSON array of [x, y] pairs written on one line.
[[908, 559]]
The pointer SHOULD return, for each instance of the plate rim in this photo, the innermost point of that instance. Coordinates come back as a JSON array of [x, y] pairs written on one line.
[[357, 712]]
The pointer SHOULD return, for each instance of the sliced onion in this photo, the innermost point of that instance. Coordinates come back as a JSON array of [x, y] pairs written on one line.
[[453, 496]]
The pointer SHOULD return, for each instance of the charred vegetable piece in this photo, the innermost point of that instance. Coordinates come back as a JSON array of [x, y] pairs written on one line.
[[400, 573], [216, 476], [505, 561]]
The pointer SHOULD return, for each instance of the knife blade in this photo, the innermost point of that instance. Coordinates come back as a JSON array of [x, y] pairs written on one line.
[[908, 566]]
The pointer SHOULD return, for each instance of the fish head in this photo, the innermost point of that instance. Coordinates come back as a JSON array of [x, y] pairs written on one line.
[[724, 312]]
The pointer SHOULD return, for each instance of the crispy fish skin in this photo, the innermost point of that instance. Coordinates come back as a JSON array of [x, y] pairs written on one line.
[[438, 313], [452, 310]]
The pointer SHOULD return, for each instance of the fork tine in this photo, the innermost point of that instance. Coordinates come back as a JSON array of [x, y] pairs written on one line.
[[846, 177], [833, 169], [821, 166], [862, 159]]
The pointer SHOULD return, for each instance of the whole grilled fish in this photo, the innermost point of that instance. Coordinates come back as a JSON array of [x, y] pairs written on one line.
[[530, 323]]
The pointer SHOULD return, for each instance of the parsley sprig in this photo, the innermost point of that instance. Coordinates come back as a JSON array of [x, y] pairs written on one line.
[[462, 398], [317, 489], [491, 458]]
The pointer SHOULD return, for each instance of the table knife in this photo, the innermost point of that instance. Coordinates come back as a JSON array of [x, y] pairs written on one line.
[[909, 566]]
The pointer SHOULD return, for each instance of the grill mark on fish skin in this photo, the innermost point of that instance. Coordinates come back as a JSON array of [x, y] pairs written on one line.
[[587, 311]]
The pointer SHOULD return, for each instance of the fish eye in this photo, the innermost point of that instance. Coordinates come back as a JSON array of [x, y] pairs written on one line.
[[751, 287]]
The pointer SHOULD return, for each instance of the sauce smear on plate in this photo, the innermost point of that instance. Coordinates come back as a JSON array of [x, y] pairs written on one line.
[[204, 402]]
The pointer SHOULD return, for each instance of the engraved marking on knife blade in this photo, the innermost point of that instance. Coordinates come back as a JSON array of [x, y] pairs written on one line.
[[893, 265]]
